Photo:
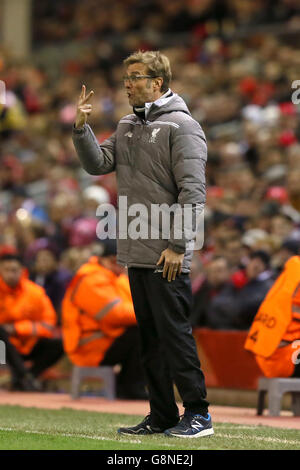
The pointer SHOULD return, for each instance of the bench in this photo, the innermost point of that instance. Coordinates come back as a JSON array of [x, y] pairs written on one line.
[[104, 373], [276, 388]]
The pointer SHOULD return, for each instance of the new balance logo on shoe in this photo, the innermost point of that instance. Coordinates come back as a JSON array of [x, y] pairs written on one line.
[[191, 426]]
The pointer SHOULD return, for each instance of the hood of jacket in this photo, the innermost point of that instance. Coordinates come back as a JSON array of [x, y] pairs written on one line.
[[165, 105]]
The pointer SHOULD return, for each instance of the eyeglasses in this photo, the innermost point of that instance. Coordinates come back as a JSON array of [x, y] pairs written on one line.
[[135, 78]]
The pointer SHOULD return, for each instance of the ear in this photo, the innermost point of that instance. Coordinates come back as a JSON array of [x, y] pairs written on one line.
[[158, 81]]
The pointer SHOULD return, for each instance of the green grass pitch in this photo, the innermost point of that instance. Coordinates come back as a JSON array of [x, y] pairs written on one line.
[[66, 429]]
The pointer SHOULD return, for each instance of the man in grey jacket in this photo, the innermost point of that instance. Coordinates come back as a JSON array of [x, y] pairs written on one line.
[[159, 154]]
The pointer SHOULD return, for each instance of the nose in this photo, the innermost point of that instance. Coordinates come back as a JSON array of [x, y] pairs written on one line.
[[127, 82]]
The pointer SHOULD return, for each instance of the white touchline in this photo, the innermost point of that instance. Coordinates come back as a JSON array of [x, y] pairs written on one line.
[[81, 436], [57, 433], [102, 438], [258, 438]]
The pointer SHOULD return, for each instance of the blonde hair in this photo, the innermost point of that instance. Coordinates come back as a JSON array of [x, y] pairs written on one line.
[[158, 65]]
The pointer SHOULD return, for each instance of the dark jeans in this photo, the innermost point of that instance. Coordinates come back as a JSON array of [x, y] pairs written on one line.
[[169, 351], [44, 354], [125, 351]]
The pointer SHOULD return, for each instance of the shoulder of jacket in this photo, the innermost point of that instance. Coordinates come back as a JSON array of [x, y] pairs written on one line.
[[98, 277], [292, 262], [129, 118], [187, 125], [181, 118], [33, 288]]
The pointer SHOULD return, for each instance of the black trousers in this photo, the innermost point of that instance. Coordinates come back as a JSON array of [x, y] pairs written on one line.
[[125, 351], [45, 353], [168, 347], [13, 357], [296, 372]]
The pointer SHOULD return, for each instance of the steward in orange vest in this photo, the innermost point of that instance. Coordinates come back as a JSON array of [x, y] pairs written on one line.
[[274, 336], [27, 321], [99, 324]]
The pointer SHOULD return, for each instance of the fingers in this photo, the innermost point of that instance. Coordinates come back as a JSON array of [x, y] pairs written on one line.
[[171, 270], [85, 99], [82, 94], [85, 110], [160, 260], [175, 271], [165, 270], [85, 107]]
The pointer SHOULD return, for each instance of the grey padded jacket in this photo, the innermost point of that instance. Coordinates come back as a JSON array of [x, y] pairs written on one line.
[[159, 160]]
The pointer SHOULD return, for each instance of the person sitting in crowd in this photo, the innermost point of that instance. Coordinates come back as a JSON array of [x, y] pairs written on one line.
[[233, 251], [221, 303], [288, 249], [248, 298], [274, 337], [213, 301], [99, 324], [27, 321], [47, 273]]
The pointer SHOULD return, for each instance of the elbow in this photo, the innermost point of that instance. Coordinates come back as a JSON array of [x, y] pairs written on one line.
[[92, 171]]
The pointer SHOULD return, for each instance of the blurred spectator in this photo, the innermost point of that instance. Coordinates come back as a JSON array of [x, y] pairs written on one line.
[[93, 197], [12, 116], [288, 249], [47, 273], [27, 321], [234, 253], [281, 226], [213, 291], [275, 331], [236, 79], [99, 324], [249, 298]]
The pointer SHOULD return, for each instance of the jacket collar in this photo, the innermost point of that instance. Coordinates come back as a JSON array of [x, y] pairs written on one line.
[[161, 101], [142, 112]]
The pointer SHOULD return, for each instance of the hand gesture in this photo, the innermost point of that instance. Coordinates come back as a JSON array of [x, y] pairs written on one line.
[[83, 108]]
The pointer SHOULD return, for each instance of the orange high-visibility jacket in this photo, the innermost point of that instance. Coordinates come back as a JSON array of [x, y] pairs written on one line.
[[277, 324], [96, 310], [30, 310]]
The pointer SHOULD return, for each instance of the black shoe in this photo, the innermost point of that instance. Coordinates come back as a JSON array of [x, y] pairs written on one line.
[[192, 425], [143, 428], [26, 384]]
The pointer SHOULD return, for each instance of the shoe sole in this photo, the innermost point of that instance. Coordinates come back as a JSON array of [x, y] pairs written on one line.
[[204, 433], [138, 434]]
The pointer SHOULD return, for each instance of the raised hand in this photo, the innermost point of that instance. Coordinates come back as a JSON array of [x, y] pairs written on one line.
[[83, 107]]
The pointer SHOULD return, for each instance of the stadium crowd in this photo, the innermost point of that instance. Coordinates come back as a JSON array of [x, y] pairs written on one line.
[[237, 81]]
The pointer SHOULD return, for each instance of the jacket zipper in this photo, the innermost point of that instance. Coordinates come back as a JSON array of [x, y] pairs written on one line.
[[144, 123]]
